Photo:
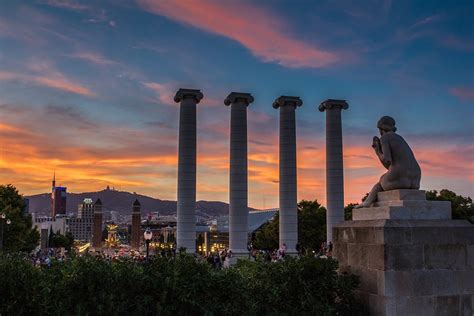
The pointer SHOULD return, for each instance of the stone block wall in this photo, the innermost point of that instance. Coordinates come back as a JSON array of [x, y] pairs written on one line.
[[410, 267]]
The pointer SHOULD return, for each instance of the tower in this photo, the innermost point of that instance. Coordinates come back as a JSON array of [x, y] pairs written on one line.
[[97, 222], [58, 199], [136, 231]]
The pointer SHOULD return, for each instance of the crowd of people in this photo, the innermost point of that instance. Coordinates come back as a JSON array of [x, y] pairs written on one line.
[[217, 259]]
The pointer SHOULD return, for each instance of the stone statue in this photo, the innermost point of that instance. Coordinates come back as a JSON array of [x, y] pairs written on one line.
[[397, 157]]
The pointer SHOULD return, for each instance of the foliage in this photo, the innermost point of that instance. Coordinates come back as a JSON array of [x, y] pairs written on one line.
[[311, 224], [266, 238], [19, 235], [462, 207], [311, 228], [182, 286], [348, 211], [58, 240]]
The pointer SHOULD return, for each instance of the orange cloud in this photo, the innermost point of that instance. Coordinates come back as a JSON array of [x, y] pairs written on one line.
[[256, 29], [89, 155]]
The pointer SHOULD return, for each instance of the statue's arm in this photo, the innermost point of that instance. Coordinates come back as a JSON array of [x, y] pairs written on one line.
[[384, 153]]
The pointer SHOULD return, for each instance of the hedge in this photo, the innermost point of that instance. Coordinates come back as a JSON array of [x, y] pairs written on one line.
[[181, 286]]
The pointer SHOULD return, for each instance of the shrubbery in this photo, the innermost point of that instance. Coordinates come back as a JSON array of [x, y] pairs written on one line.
[[178, 286]]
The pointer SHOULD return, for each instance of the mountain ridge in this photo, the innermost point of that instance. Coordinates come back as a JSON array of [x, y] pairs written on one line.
[[121, 201]]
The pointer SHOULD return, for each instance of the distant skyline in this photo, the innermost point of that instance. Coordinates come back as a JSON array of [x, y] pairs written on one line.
[[86, 89]]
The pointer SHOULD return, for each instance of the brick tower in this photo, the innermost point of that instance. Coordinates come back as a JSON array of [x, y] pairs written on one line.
[[97, 225], [136, 230]]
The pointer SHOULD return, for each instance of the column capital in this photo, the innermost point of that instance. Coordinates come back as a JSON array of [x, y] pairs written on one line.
[[287, 100], [188, 94], [333, 104], [238, 96]]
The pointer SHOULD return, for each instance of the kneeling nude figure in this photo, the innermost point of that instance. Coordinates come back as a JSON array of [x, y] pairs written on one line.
[[397, 157]]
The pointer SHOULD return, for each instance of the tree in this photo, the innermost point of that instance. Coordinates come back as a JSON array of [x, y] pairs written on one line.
[[311, 224], [461, 206], [311, 228], [348, 211], [19, 235], [266, 238], [57, 240]]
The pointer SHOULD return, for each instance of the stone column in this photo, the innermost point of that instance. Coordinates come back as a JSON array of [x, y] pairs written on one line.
[[97, 222], [288, 172], [136, 226], [238, 199], [186, 230], [334, 163]]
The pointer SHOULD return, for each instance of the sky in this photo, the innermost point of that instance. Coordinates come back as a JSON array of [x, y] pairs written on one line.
[[86, 89]]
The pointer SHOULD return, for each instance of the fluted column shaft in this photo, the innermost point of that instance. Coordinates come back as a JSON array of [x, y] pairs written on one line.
[[334, 164], [238, 178], [186, 206], [288, 234]]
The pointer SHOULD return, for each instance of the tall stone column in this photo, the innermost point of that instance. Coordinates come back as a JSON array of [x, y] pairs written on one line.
[[288, 172], [186, 230], [334, 163], [97, 222], [238, 195], [136, 226]]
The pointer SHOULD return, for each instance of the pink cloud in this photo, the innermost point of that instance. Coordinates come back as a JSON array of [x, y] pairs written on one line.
[[164, 92], [55, 81], [66, 4], [266, 36], [92, 57], [463, 93]]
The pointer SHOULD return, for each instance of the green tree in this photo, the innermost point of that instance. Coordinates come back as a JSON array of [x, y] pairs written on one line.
[[266, 237], [62, 241], [311, 228], [19, 235], [462, 207], [311, 224], [348, 211]]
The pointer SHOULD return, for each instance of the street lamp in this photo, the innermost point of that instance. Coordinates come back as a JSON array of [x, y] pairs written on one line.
[[3, 216], [147, 235]]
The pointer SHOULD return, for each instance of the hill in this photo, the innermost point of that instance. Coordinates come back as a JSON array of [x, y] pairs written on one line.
[[121, 202]]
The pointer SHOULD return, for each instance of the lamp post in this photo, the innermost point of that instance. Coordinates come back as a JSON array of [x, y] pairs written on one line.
[[147, 235], [3, 220]]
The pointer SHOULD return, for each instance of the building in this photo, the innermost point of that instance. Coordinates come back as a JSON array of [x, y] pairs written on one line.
[[86, 209], [26, 206], [97, 225], [216, 236], [209, 237], [57, 224], [80, 226], [58, 199], [136, 232]]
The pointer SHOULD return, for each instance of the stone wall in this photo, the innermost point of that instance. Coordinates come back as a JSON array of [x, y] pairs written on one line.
[[410, 267]]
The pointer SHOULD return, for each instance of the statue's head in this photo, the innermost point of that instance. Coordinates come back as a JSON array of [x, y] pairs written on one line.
[[386, 124]]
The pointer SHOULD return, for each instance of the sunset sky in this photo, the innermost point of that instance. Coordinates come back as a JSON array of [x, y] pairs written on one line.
[[86, 88]]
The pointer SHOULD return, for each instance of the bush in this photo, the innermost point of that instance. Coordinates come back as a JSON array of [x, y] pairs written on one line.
[[94, 286]]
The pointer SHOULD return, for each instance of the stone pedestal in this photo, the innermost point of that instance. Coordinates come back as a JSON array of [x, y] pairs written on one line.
[[412, 259]]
